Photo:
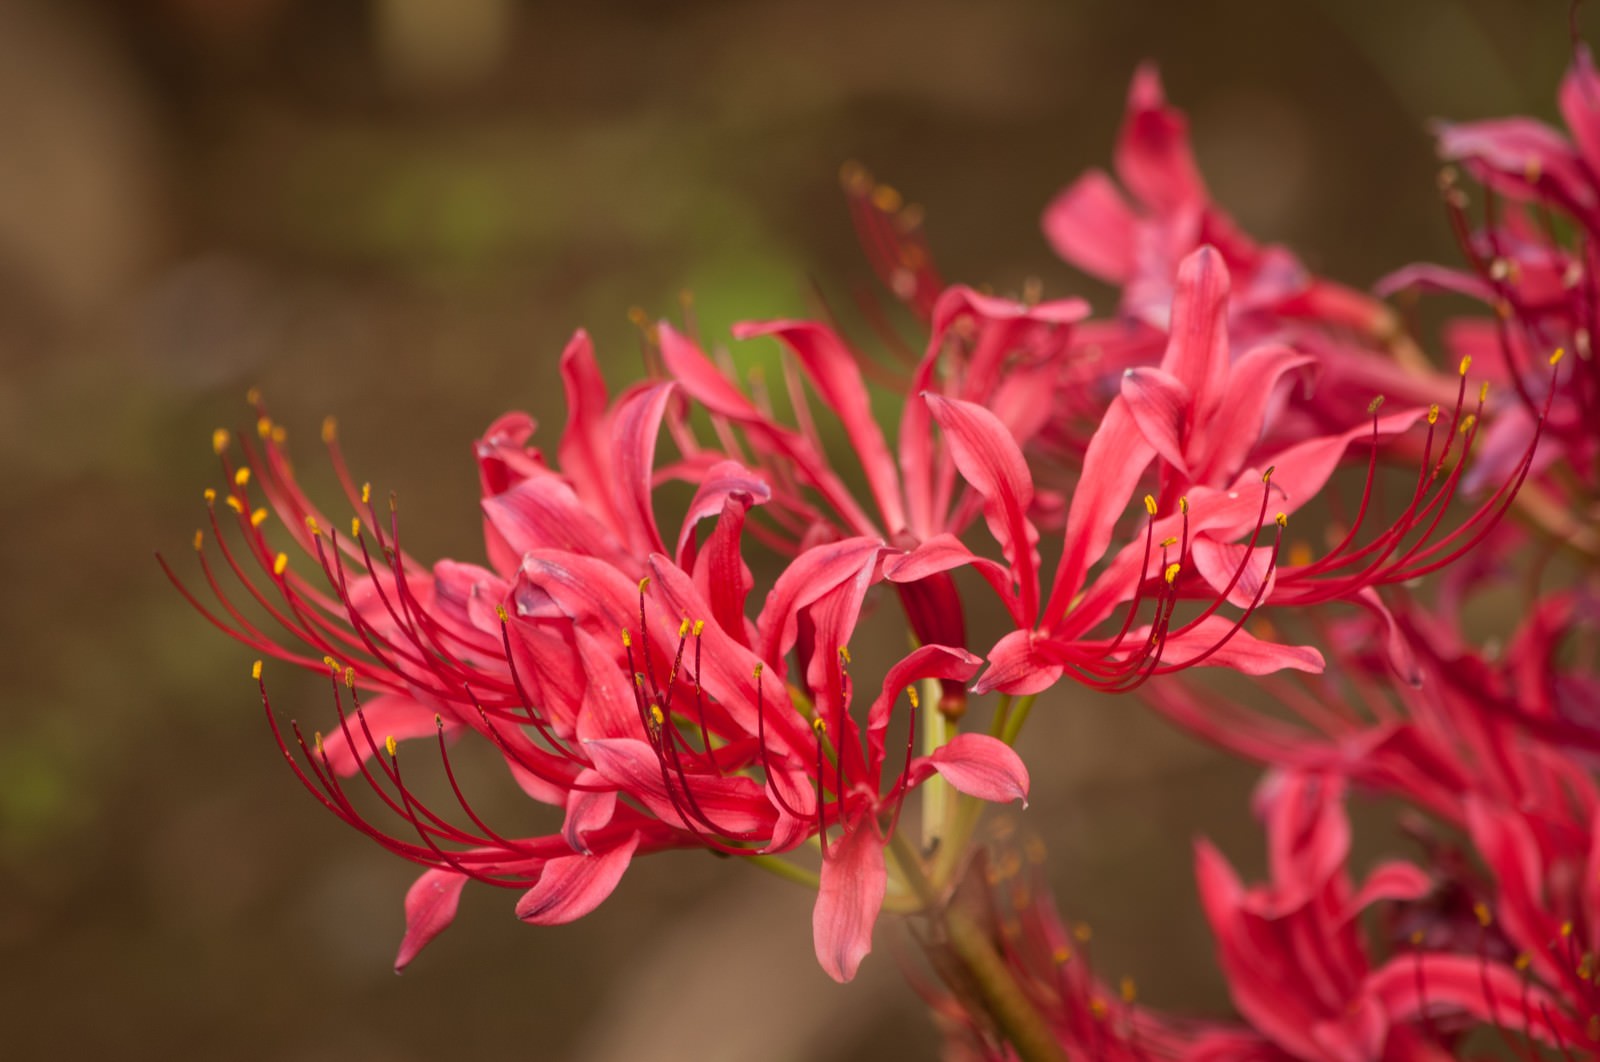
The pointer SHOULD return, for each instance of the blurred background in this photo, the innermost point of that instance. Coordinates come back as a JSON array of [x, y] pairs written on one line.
[[397, 211]]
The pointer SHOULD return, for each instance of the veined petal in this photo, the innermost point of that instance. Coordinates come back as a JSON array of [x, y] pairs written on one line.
[[634, 432], [572, 886], [1218, 562], [386, 715], [814, 573], [736, 803], [979, 766], [1242, 652], [1160, 404], [928, 661], [833, 371], [726, 479], [431, 904], [584, 450], [1153, 156], [1091, 226], [1235, 425], [1019, 665], [944, 552], [544, 512], [991, 461], [854, 881], [588, 808], [1197, 352]]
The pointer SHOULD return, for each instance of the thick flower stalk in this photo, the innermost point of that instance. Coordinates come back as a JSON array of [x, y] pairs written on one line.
[[619, 680]]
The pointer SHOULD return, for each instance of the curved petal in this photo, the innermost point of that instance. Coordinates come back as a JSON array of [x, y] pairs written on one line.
[[634, 432], [431, 904], [1160, 404], [1091, 226], [854, 881], [572, 886], [979, 766]]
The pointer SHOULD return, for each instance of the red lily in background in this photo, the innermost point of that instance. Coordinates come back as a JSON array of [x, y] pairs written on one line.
[[618, 682]]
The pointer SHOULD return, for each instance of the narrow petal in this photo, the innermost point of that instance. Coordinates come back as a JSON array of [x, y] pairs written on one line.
[[544, 512], [1390, 881], [1236, 424], [832, 369], [1153, 156], [726, 479], [854, 880], [431, 904], [584, 450], [638, 423], [928, 661], [1580, 105], [1018, 665], [1197, 352], [387, 715], [1160, 404], [1218, 563], [990, 460], [572, 886], [588, 808], [977, 765], [1091, 226]]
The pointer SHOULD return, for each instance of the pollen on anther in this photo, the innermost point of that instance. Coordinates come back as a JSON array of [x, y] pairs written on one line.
[[258, 517], [683, 628], [389, 746], [844, 653], [350, 677], [1466, 363], [1282, 519], [209, 495], [500, 611], [331, 664], [366, 493], [699, 625], [313, 526], [1266, 477], [1171, 540], [1375, 405], [264, 427], [1172, 572], [355, 527], [1129, 990], [219, 440], [1183, 505], [911, 693], [1483, 393], [279, 563], [1433, 413], [242, 476], [236, 505], [199, 540], [819, 726], [644, 584], [330, 429], [627, 638], [1467, 423], [1149, 505], [756, 671], [255, 670], [1480, 910], [1555, 358], [656, 716]]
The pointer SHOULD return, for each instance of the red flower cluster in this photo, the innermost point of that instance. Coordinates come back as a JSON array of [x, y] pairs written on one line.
[[1135, 478]]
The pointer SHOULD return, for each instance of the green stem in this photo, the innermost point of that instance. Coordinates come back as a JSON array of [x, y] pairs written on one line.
[[1014, 1015], [786, 870], [937, 730], [1002, 710], [1016, 718]]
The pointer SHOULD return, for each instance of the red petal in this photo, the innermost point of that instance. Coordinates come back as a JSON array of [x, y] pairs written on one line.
[[928, 661], [1153, 156], [638, 423], [1161, 406], [584, 450], [977, 765], [1091, 226], [572, 886], [853, 884], [1197, 352], [430, 906], [1018, 665], [387, 715]]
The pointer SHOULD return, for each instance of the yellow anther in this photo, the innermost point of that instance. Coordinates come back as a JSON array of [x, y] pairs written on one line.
[[389, 746], [330, 429], [887, 199], [219, 440], [756, 671], [331, 664], [313, 526], [1433, 413], [316, 741], [1083, 932], [627, 638], [1481, 911], [1061, 955], [236, 505], [699, 626], [255, 670], [264, 427], [279, 563], [1555, 358], [819, 727], [1466, 363], [366, 493], [1483, 393], [350, 677], [1522, 962], [1375, 405], [655, 715], [1282, 519], [438, 720], [911, 692], [280, 434], [844, 653], [1130, 991], [683, 628], [1170, 540], [1266, 477], [259, 517], [1172, 572], [644, 584], [199, 540], [355, 527], [1183, 505], [1468, 422], [1566, 929], [1149, 505], [210, 495], [241, 477]]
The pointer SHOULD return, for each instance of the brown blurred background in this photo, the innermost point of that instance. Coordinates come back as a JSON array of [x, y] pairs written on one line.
[[397, 210]]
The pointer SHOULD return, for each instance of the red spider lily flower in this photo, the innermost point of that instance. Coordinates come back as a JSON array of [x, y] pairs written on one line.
[[645, 705], [1139, 246], [1296, 964]]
